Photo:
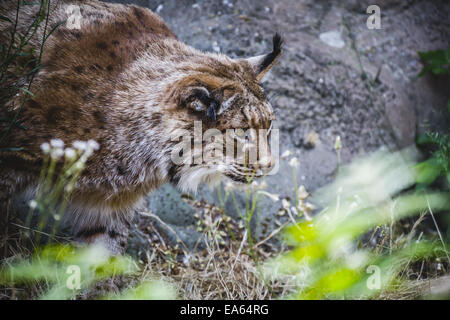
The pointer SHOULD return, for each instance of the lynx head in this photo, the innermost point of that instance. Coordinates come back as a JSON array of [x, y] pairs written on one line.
[[224, 119]]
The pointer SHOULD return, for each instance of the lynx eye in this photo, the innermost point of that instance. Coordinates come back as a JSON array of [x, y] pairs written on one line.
[[198, 96], [197, 105]]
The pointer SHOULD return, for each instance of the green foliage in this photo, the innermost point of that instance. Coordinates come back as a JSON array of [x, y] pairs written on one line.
[[327, 258], [439, 163], [20, 61], [435, 61], [147, 290], [57, 268]]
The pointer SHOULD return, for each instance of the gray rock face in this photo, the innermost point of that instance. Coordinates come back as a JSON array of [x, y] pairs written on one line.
[[332, 38], [167, 202], [176, 214], [370, 96]]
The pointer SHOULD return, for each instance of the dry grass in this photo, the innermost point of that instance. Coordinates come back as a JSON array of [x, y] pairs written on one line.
[[221, 268]]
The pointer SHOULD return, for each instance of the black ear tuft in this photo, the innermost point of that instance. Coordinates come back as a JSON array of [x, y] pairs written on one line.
[[270, 58], [277, 43]]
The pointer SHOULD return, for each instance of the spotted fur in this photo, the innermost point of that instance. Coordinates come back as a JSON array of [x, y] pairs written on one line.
[[125, 81]]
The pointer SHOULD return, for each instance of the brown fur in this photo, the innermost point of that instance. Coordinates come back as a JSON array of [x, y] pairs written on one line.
[[122, 80]]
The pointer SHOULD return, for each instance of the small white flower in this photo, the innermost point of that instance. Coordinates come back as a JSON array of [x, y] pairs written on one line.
[[56, 153], [285, 203], [57, 143], [33, 204], [79, 145], [93, 144], [337, 143], [45, 147], [87, 147], [302, 193], [57, 217], [309, 207], [285, 154], [70, 153], [294, 162], [307, 211]]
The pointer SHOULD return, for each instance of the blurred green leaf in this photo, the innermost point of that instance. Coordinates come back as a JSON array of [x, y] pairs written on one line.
[[435, 61], [50, 264], [27, 91], [147, 290], [301, 232], [326, 259], [428, 171]]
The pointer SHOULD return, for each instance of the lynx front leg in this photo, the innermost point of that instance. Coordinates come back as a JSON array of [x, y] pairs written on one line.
[[111, 233]]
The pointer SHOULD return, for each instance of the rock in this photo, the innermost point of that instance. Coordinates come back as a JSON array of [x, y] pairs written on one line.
[[332, 38], [361, 5], [167, 202]]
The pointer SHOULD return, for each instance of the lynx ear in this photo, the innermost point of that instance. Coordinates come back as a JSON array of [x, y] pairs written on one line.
[[263, 63]]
